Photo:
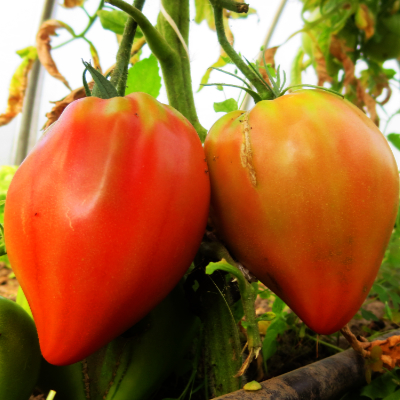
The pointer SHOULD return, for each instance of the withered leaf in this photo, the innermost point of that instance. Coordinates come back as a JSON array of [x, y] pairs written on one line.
[[338, 50], [95, 57], [366, 99], [320, 62], [364, 20], [19, 82], [47, 29], [390, 355], [60, 105], [72, 3]]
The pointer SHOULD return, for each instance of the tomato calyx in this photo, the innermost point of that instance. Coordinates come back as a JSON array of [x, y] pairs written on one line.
[[103, 88], [276, 87]]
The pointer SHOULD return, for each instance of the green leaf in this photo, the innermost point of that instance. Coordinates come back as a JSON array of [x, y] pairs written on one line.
[[144, 76], [368, 315], [388, 311], [379, 387], [270, 345], [383, 296], [394, 396], [394, 138], [226, 106], [268, 316], [278, 306], [237, 311], [204, 11], [395, 299], [113, 21]]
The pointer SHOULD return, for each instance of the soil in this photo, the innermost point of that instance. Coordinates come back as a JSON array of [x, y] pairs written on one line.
[[8, 283]]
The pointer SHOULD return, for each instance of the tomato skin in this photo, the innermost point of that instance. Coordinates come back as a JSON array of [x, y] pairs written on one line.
[[304, 192], [103, 218]]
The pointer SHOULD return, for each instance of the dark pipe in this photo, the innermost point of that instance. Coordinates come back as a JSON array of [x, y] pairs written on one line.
[[328, 379]]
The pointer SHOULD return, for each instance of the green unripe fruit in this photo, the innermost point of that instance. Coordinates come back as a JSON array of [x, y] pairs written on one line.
[[19, 352]]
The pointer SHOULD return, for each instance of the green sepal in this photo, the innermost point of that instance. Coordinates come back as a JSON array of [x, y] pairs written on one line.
[[85, 84], [314, 87], [229, 73], [103, 88], [256, 97]]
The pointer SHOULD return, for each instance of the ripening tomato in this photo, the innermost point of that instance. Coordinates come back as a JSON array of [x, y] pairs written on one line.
[[103, 218], [304, 192]]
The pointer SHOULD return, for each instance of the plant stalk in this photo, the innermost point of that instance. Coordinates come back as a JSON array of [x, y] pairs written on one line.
[[229, 50], [221, 337], [120, 73], [171, 55], [177, 77]]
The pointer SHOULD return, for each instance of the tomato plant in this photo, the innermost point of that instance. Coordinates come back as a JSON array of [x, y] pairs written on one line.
[[304, 192], [109, 210], [105, 199]]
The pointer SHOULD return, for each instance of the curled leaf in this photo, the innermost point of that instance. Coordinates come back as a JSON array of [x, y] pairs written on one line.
[[318, 60], [59, 106], [47, 29], [338, 50], [388, 352], [72, 3], [18, 84], [365, 99], [364, 20]]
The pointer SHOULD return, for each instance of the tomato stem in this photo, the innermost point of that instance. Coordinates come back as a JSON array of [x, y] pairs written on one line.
[[221, 336], [235, 6], [177, 76], [248, 300], [229, 50], [92, 19], [120, 73], [171, 55]]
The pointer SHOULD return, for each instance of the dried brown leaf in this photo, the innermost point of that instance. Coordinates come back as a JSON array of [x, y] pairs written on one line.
[[367, 100], [390, 351], [47, 29], [364, 20], [72, 3], [338, 50], [60, 105], [18, 85]]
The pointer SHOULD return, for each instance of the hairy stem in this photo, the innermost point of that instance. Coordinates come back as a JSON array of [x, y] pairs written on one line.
[[171, 55], [177, 77], [120, 73]]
